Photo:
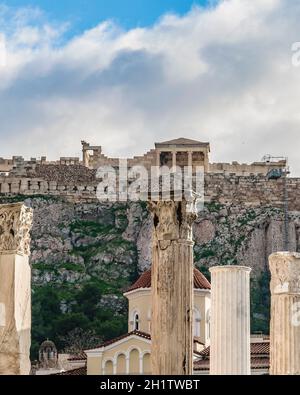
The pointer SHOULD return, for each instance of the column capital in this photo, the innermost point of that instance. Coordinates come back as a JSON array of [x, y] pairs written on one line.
[[173, 220], [285, 273], [15, 225], [284, 325], [230, 268]]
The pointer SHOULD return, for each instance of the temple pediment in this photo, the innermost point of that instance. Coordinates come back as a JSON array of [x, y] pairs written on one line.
[[182, 141]]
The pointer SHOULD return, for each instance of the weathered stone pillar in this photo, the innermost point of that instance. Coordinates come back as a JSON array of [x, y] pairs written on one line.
[[190, 158], [230, 320], [85, 153], [172, 287], [158, 158], [174, 154], [15, 289], [285, 313]]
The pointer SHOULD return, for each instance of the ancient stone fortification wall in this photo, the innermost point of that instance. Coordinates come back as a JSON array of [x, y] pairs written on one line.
[[244, 169], [147, 160], [252, 191], [78, 182]]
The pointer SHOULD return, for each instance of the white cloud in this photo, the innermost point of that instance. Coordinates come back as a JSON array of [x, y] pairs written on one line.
[[222, 74]]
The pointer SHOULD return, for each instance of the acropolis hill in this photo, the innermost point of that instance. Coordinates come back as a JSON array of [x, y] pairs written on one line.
[[251, 210], [225, 183]]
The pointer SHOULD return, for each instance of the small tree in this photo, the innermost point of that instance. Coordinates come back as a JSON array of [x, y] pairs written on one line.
[[78, 340]]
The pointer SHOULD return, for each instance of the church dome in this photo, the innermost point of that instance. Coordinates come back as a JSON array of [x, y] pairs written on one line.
[[144, 281], [48, 344]]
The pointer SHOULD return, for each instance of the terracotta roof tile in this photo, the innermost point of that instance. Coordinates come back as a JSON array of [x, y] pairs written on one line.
[[262, 348], [143, 335], [256, 363], [116, 339], [74, 372], [205, 352], [81, 357], [144, 281], [260, 363], [200, 281], [201, 364], [259, 357]]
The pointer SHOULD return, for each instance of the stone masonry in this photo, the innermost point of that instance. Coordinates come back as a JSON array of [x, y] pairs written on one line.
[[75, 179]]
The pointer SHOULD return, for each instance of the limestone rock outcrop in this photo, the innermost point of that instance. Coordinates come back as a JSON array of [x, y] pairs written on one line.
[[73, 243]]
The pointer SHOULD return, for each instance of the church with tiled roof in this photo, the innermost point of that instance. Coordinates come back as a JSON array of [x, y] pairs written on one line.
[[131, 353]]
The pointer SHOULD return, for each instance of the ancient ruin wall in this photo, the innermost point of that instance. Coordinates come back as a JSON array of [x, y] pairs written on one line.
[[78, 182]]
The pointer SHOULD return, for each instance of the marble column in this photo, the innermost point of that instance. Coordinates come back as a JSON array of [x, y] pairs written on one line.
[[172, 287], [158, 158], [174, 154], [15, 289], [190, 158], [85, 157], [230, 320], [285, 313]]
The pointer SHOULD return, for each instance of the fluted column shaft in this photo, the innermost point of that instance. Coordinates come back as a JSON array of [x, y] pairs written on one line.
[[230, 320], [172, 288], [285, 314]]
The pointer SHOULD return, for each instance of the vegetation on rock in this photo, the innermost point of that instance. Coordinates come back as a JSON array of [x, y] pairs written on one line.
[[85, 255]]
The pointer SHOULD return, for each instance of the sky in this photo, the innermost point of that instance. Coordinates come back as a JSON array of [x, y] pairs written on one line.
[[125, 74], [85, 14]]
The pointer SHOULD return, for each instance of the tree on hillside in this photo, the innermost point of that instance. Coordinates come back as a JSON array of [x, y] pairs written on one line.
[[78, 340]]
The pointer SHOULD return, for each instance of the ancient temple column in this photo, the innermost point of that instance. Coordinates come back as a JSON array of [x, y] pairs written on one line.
[[285, 313], [174, 154], [158, 158], [85, 153], [172, 287], [230, 320], [190, 158], [15, 289]]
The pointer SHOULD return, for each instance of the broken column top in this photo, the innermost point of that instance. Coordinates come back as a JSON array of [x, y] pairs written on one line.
[[230, 268], [285, 272], [15, 225]]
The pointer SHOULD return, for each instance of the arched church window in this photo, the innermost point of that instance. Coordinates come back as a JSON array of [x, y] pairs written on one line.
[[136, 322]]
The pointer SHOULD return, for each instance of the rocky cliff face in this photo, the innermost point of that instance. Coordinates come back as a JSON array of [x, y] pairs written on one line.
[[243, 236], [110, 244]]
